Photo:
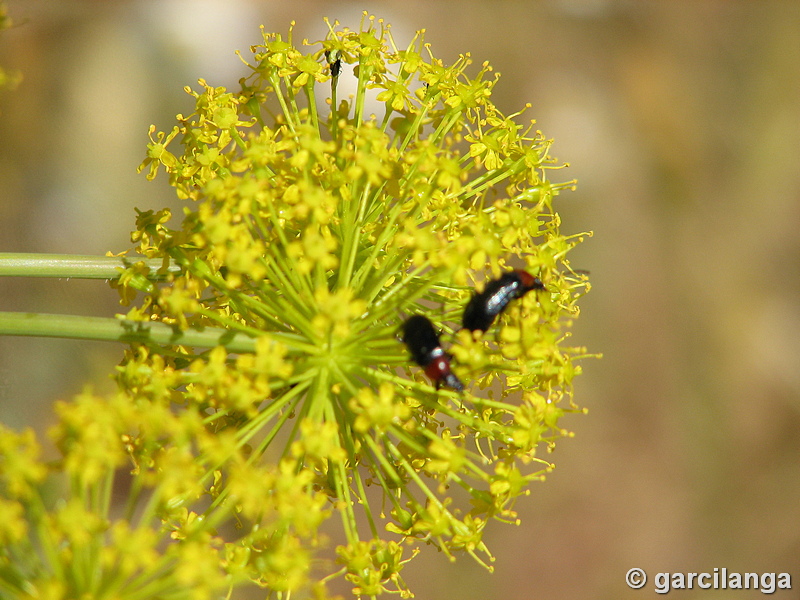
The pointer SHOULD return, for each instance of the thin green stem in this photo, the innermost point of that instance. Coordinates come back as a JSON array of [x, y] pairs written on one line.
[[276, 85], [343, 494], [412, 473], [365, 502], [334, 117], [379, 455], [312, 104], [289, 409], [352, 238]]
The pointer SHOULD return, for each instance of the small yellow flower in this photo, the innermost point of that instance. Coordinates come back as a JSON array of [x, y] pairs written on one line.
[[13, 526], [89, 434], [132, 550], [20, 469], [198, 569], [157, 153]]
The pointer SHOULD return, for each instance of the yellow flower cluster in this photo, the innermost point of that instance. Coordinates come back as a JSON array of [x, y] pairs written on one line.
[[316, 228], [182, 480]]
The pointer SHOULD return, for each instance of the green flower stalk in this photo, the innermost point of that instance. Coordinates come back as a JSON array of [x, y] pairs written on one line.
[[315, 228]]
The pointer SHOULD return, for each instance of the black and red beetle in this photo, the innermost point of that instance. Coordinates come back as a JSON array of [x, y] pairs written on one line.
[[483, 308], [423, 342]]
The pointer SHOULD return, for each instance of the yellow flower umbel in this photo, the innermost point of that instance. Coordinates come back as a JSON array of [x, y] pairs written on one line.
[[316, 228]]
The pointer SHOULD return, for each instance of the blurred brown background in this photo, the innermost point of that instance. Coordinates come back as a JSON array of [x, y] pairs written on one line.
[[681, 121]]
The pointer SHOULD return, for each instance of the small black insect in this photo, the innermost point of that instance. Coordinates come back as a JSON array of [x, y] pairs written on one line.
[[426, 350], [334, 58], [483, 308]]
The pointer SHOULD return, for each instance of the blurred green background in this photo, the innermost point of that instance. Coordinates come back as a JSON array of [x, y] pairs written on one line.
[[681, 121]]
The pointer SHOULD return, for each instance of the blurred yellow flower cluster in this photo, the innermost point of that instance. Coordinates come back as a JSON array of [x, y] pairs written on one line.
[[8, 79]]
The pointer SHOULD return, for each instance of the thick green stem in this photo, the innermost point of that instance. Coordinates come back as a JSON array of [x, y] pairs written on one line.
[[120, 330], [76, 266]]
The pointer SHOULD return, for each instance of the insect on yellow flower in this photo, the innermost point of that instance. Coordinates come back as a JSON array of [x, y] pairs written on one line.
[[316, 230]]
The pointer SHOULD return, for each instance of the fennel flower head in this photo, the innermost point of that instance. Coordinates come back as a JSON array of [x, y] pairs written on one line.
[[347, 185]]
